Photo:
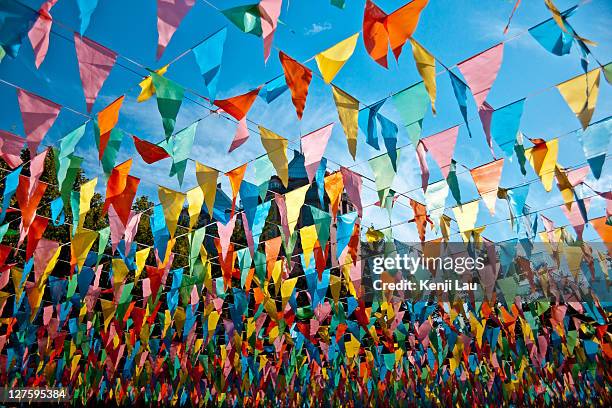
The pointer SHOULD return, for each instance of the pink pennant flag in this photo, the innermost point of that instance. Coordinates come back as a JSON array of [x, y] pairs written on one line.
[[42, 255], [279, 199], [441, 146], [170, 13], [37, 166], [575, 216], [39, 33], [249, 234], [269, 11], [241, 136], [578, 175], [131, 228], [485, 112], [95, 63], [225, 234], [10, 148], [117, 229], [313, 147], [38, 115], [481, 70], [352, 184], [549, 226]]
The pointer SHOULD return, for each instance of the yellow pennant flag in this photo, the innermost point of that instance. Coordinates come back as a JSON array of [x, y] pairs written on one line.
[[147, 89], [333, 59], [474, 235], [308, 237], [543, 159], [348, 113], [466, 215], [80, 244], [276, 147], [49, 268], [108, 311], [141, 259], [580, 94], [287, 288], [35, 294], [207, 180], [294, 201], [85, 196], [172, 203], [373, 235], [16, 274], [195, 199], [426, 65], [120, 272]]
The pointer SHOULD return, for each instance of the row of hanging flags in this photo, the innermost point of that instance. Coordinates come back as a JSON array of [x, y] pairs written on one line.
[[265, 323]]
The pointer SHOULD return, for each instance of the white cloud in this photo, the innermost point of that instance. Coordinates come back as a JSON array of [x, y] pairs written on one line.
[[316, 28]]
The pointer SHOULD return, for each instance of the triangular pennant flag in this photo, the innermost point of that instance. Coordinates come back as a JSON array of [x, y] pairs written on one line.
[[460, 91], [426, 65], [543, 159], [441, 146], [149, 152], [334, 187], [95, 63], [241, 136], [208, 55], [147, 89], [38, 115], [10, 148], [298, 79], [411, 104], [269, 11], [308, 238], [604, 230], [276, 147], [575, 216], [420, 218], [207, 180], [486, 178], [346, 225], [247, 18], [121, 190], [235, 177], [80, 244], [181, 143], [86, 194], [435, 198], [170, 13], [551, 37], [595, 141], [352, 184], [40, 31], [294, 200], [504, 127], [481, 70], [466, 215], [348, 113], [238, 106], [383, 174], [86, 9], [107, 119], [195, 200], [381, 30], [331, 61], [313, 146], [172, 204], [225, 234], [581, 94], [169, 98]]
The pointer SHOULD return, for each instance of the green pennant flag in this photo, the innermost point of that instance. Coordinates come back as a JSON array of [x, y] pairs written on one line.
[[111, 150], [69, 142], [453, 182], [104, 235], [247, 18], [196, 238], [322, 220], [244, 263], [383, 174], [169, 98], [412, 103], [180, 147], [67, 169]]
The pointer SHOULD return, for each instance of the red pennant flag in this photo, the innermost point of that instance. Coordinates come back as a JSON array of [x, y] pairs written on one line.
[[38, 115], [149, 152], [35, 233], [121, 190], [95, 63], [28, 203], [10, 148], [298, 79], [238, 106]]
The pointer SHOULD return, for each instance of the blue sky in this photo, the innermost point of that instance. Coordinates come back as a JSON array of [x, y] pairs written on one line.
[[451, 30]]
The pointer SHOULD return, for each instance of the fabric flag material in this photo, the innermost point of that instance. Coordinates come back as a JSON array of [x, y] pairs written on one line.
[[261, 213], [149, 152], [604, 230], [348, 113], [383, 174], [411, 104], [147, 89], [381, 29], [172, 204], [426, 65], [16, 19], [40, 31], [543, 159], [481, 70], [466, 215], [209, 55], [505, 124], [80, 244], [69, 142], [352, 184], [247, 18], [10, 148], [37, 167], [294, 200], [207, 180], [170, 13], [169, 98], [116, 191], [334, 186], [86, 9], [107, 119], [235, 177], [38, 115], [95, 64], [331, 61], [274, 88], [225, 234], [181, 143], [435, 198], [389, 130], [276, 147], [551, 37], [367, 123], [575, 216], [313, 147], [11, 181], [346, 225], [86, 194], [581, 94], [269, 10], [298, 79], [441, 146], [486, 178], [241, 136], [595, 141], [195, 200], [517, 197], [238, 106], [308, 238], [460, 91]]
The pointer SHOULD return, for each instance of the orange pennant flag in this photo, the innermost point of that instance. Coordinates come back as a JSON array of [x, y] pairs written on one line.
[[238, 106], [121, 191], [486, 178], [604, 230], [420, 218], [235, 177], [298, 79], [334, 185], [107, 119]]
